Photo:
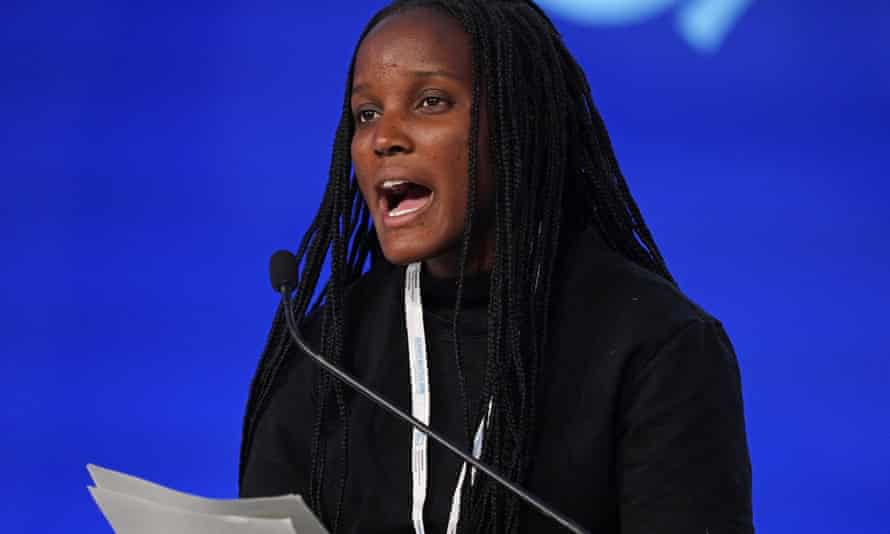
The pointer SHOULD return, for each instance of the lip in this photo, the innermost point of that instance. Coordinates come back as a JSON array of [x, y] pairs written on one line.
[[391, 222], [398, 174], [400, 221]]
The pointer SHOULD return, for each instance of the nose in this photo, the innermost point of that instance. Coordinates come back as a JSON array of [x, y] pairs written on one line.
[[391, 136]]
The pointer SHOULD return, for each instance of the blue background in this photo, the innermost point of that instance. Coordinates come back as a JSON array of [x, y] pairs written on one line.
[[152, 156]]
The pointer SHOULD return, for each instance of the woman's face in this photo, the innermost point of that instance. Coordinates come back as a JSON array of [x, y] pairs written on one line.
[[411, 99]]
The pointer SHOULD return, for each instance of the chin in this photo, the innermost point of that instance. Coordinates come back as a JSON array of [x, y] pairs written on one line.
[[405, 249], [403, 255]]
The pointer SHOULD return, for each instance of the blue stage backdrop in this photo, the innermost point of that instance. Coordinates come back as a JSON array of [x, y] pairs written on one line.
[[154, 154]]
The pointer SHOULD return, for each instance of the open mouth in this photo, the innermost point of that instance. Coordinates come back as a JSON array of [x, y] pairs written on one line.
[[401, 197]]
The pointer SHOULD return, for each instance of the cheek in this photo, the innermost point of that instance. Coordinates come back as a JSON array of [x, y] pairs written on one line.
[[450, 158]]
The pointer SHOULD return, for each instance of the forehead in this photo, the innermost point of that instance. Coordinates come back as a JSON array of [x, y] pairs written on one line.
[[420, 39]]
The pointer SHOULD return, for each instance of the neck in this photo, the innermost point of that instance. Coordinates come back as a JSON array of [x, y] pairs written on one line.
[[480, 259]]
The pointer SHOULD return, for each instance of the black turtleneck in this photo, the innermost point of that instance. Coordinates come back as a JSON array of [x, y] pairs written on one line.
[[438, 297], [640, 422]]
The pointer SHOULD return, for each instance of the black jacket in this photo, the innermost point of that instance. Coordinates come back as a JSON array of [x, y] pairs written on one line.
[[640, 420]]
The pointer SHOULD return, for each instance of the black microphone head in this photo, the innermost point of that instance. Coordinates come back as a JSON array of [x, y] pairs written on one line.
[[283, 270]]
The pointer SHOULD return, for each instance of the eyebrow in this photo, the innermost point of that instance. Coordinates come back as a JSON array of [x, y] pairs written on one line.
[[417, 74]]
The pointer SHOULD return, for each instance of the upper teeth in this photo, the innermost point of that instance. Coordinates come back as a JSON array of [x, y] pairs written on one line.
[[389, 184]]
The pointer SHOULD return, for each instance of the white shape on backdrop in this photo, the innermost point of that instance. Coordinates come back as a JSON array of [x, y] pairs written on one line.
[[135, 506], [704, 24]]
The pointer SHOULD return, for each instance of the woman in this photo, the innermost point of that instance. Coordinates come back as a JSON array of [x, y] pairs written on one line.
[[549, 332]]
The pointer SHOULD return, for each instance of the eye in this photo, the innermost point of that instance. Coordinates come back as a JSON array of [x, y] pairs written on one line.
[[365, 115], [433, 103]]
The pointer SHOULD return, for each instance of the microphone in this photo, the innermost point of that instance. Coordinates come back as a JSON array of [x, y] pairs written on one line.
[[283, 270], [282, 274]]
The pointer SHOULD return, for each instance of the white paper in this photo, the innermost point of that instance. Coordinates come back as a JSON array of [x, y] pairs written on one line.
[[132, 515], [130, 503]]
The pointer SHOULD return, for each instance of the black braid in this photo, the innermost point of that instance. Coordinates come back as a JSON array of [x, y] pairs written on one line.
[[555, 172]]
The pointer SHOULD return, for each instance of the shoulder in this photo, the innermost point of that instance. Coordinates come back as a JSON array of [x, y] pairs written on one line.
[[371, 305], [373, 294], [618, 299]]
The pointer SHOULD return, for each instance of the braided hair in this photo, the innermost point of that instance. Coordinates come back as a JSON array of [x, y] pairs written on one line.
[[554, 171]]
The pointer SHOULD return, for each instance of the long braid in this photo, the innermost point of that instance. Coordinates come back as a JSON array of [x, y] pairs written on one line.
[[554, 169], [466, 239]]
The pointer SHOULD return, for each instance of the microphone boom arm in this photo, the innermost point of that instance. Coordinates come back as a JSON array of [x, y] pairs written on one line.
[[345, 377]]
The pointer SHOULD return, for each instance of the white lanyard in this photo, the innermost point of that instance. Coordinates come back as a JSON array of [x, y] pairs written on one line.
[[420, 408]]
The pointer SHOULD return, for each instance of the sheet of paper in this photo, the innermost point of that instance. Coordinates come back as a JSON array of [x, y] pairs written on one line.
[[286, 506], [133, 515]]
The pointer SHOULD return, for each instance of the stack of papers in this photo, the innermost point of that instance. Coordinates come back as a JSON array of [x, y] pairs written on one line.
[[135, 506]]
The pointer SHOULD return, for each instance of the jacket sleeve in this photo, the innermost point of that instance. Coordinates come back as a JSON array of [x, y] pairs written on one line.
[[276, 461], [682, 454], [273, 466]]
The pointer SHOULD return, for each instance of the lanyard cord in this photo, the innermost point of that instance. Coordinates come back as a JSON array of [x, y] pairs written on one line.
[[420, 409]]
